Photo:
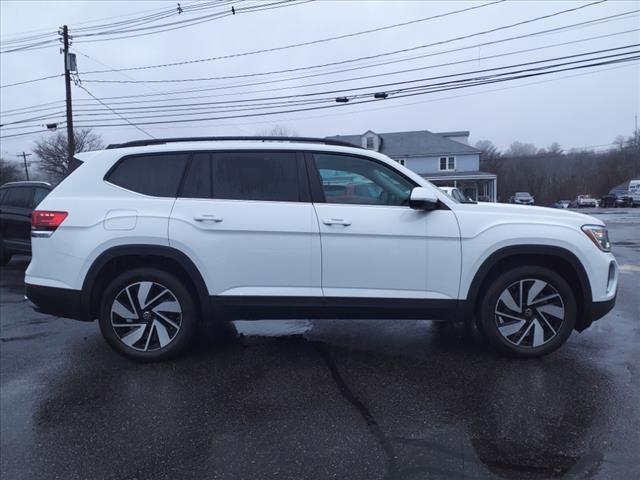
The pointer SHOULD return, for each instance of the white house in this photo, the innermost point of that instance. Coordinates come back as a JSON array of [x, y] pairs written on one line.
[[445, 158]]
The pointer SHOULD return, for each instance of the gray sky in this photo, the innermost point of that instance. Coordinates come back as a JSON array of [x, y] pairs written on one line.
[[580, 108]]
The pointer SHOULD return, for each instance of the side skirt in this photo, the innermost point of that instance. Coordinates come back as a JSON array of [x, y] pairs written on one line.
[[259, 308]]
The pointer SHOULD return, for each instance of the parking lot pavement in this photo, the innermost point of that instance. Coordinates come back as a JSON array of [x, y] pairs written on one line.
[[330, 399]]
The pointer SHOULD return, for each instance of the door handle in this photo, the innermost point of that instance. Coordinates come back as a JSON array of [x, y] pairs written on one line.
[[208, 218], [336, 221]]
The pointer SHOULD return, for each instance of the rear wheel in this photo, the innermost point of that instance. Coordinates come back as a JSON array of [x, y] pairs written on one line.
[[528, 312], [148, 315]]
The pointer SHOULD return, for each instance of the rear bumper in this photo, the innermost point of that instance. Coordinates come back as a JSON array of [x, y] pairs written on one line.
[[61, 302]]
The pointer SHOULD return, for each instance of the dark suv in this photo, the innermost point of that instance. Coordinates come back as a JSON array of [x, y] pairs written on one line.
[[17, 201]]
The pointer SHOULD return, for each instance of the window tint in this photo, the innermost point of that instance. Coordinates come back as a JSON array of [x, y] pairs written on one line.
[[197, 182], [354, 180], [3, 191], [19, 197], [39, 196], [156, 175], [271, 176]]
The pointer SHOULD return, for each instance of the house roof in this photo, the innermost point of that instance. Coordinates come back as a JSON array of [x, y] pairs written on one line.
[[421, 142]]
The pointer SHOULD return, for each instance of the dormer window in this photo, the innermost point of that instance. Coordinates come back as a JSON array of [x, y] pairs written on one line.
[[370, 143]]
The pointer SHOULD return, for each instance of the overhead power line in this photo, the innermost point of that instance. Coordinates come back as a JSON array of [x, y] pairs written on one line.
[[47, 106], [385, 86], [493, 42], [350, 79], [254, 52], [111, 31], [302, 44], [421, 89], [411, 94], [112, 110], [618, 65], [32, 80], [197, 21]]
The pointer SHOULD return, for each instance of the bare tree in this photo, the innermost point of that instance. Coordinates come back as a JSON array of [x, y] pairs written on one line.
[[619, 142], [519, 149], [277, 131], [490, 156], [9, 171], [52, 151], [554, 149], [633, 141]]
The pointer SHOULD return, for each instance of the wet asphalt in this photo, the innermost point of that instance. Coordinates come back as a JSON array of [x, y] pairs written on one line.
[[329, 399]]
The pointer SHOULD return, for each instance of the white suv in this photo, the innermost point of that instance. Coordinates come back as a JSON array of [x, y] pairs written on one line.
[[153, 237]]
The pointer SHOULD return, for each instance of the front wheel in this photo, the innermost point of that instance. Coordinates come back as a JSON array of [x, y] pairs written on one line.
[[148, 315], [528, 312]]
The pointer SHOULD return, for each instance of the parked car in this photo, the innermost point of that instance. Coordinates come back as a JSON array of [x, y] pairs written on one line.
[[523, 198], [616, 198], [584, 201], [153, 237], [17, 201], [560, 204], [455, 193], [635, 198]]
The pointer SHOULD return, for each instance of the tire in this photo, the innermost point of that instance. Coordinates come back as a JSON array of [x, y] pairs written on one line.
[[528, 330], [159, 331]]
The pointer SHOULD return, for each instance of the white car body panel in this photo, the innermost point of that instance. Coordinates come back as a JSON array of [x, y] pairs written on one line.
[[265, 248], [285, 249]]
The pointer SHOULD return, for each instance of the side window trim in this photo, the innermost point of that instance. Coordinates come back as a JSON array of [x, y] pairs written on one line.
[[315, 180]]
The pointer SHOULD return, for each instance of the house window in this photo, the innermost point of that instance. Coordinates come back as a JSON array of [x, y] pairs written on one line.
[[447, 163], [370, 143]]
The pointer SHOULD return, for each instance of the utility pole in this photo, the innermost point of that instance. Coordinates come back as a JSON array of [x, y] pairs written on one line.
[[24, 156], [71, 141]]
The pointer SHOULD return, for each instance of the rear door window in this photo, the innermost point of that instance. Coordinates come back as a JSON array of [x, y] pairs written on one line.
[[156, 175], [267, 176], [197, 181]]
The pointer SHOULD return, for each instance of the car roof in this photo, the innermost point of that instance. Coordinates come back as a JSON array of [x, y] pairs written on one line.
[[32, 183]]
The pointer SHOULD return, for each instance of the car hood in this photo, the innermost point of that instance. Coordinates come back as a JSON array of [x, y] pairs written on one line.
[[505, 213]]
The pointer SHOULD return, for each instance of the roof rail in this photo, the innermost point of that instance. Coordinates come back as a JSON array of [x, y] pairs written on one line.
[[160, 141]]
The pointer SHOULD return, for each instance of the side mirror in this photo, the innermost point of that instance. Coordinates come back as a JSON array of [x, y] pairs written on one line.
[[422, 199]]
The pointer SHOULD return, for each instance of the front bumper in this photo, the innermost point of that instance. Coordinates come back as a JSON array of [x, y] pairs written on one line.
[[61, 302], [600, 309]]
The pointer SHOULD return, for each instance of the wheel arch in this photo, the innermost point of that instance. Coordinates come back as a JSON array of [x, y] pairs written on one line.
[[558, 259], [110, 262]]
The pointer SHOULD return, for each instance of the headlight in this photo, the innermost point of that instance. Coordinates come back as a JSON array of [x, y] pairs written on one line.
[[598, 235]]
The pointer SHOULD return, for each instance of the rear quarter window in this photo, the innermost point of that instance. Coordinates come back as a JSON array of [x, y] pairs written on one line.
[[156, 175]]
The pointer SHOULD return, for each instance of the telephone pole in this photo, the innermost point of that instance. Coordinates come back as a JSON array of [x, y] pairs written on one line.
[[71, 141], [24, 156]]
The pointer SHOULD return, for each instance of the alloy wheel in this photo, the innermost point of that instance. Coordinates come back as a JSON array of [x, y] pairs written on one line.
[[146, 316], [529, 313]]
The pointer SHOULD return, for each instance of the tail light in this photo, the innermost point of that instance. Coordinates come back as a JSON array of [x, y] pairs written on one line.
[[44, 223]]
